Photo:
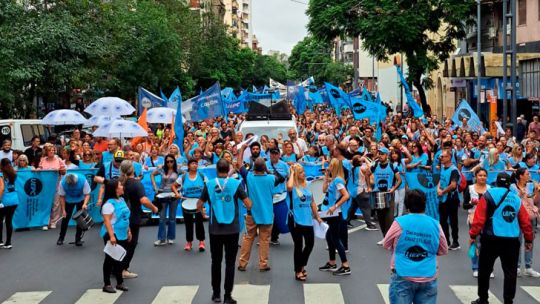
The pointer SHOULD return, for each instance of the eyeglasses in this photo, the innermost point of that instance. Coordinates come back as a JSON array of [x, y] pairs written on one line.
[[170, 162]]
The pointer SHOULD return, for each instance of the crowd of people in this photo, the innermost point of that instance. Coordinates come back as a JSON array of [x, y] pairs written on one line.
[[260, 179]]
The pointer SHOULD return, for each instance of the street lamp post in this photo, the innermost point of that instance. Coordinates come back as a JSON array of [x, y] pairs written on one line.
[[479, 56]]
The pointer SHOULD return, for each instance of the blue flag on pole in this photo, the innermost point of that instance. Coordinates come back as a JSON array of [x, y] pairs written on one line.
[[314, 95], [355, 93], [179, 128], [175, 99], [148, 100], [337, 97], [464, 110], [209, 104], [163, 96], [292, 89], [300, 101], [413, 105]]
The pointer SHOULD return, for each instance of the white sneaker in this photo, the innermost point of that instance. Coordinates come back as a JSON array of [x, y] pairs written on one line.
[[492, 275], [170, 242], [380, 243], [532, 273], [126, 274], [53, 226], [160, 243], [519, 272], [475, 273], [45, 228]]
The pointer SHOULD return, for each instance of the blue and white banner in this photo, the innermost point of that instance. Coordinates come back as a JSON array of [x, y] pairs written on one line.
[[148, 100], [209, 104], [464, 110], [413, 105], [337, 97], [427, 183], [364, 109]]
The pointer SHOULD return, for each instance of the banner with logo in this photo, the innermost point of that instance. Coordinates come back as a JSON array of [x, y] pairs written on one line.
[[464, 110], [36, 191], [337, 97], [148, 100], [427, 183], [208, 104], [364, 109]]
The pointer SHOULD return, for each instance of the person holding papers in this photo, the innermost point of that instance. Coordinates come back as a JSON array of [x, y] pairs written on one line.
[[115, 230], [335, 186], [302, 211]]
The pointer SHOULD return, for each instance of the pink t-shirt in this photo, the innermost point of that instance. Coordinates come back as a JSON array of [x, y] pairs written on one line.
[[55, 164]]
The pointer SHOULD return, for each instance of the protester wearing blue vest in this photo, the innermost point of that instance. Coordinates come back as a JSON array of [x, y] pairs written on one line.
[[492, 162], [302, 211], [447, 190], [500, 218], [280, 170], [112, 146], [335, 186], [223, 195], [360, 191], [8, 201], [115, 230], [108, 171], [415, 240], [260, 217], [74, 192]]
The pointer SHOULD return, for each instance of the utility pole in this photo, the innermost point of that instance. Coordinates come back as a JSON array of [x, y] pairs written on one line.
[[356, 61], [509, 88], [479, 56]]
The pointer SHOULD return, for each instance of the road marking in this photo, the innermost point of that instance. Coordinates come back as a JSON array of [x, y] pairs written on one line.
[[384, 290], [356, 228], [30, 297], [253, 294], [176, 295], [323, 293], [468, 293], [533, 291], [97, 296]]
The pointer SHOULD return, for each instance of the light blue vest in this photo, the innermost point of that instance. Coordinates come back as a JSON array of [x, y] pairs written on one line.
[[222, 199], [122, 212], [192, 188], [333, 194], [504, 221], [416, 249], [111, 171], [74, 193], [384, 178], [260, 189], [302, 206], [445, 180], [282, 169], [10, 197]]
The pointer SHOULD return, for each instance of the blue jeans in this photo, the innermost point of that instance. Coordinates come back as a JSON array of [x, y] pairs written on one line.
[[407, 292], [167, 222], [528, 254]]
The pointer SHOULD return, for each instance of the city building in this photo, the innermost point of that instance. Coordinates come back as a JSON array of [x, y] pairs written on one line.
[[456, 78]]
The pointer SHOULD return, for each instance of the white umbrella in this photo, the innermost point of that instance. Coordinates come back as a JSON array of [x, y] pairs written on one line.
[[110, 106], [120, 129], [160, 115], [63, 117], [99, 120]]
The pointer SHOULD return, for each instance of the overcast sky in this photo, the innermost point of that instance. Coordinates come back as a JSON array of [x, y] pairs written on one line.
[[279, 24]]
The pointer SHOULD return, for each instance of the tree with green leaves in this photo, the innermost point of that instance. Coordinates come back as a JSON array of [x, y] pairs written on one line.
[[424, 30]]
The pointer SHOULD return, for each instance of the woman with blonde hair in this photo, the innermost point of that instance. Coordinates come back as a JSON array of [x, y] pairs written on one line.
[[51, 161], [302, 211], [335, 186], [516, 156], [492, 162]]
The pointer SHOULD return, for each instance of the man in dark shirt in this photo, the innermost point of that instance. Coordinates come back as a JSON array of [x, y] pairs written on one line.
[[223, 236], [135, 197], [34, 150]]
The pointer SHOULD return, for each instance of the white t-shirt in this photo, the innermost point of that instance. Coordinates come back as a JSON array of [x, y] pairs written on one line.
[[8, 155], [108, 208], [300, 143]]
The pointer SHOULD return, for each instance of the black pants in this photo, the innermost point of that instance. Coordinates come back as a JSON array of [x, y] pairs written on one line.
[[344, 233], [385, 217], [112, 266], [508, 250], [189, 219], [301, 234], [65, 221], [218, 243], [333, 238], [130, 249], [7, 212], [449, 210], [361, 201], [275, 231]]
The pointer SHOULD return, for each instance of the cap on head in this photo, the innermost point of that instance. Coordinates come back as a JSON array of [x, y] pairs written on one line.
[[119, 156], [274, 151], [384, 150], [503, 180]]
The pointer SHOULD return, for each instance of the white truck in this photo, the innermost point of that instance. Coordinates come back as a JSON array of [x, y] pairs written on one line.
[[21, 131]]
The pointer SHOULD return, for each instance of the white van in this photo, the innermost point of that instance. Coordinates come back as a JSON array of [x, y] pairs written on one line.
[[271, 128], [21, 131]]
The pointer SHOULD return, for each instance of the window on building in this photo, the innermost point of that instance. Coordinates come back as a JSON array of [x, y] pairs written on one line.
[[522, 12]]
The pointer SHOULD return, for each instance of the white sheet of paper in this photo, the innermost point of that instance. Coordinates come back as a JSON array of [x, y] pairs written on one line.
[[324, 214], [247, 141], [320, 229], [116, 252]]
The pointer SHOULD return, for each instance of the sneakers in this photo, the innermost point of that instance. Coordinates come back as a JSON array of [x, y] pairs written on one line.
[[78, 243], [9, 246], [202, 246], [371, 228], [229, 300], [479, 301], [328, 267], [108, 289], [160, 243], [53, 226], [342, 271], [170, 242], [475, 273], [519, 272], [122, 287], [45, 228], [126, 274], [350, 225], [492, 276], [188, 246], [380, 243], [529, 272], [274, 242], [454, 246], [60, 242], [216, 298]]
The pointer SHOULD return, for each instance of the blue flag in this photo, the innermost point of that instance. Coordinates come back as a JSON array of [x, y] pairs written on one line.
[[355, 93], [364, 109], [300, 102], [175, 99], [464, 110], [163, 96], [148, 100], [179, 128], [337, 97], [314, 95], [232, 104], [378, 131], [209, 104], [415, 107], [292, 89]]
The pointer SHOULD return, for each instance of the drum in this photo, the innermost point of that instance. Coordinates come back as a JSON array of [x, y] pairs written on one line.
[[280, 216], [279, 197], [189, 205], [316, 188], [383, 200], [83, 219]]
